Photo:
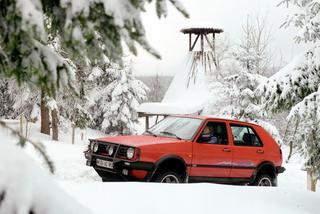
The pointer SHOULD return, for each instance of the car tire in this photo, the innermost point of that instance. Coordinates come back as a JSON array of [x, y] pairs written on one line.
[[265, 180], [168, 177]]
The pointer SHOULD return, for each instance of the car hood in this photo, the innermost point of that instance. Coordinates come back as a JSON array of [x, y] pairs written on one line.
[[138, 140]]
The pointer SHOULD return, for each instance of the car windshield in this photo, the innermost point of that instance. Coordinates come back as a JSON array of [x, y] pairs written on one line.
[[177, 127]]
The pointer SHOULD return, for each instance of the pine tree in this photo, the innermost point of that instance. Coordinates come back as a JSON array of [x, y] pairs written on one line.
[[116, 103], [296, 87], [307, 112], [86, 29], [244, 102]]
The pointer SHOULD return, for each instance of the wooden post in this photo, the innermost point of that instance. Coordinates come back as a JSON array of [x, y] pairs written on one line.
[[311, 181], [147, 122], [201, 43], [190, 42]]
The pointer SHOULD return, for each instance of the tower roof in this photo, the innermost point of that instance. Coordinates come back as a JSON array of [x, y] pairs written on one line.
[[201, 30]]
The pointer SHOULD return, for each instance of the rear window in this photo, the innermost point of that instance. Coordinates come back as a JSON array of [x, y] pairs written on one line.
[[245, 136]]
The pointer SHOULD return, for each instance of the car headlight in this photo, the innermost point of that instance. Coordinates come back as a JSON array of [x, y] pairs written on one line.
[[110, 150], [130, 153], [95, 147], [91, 145]]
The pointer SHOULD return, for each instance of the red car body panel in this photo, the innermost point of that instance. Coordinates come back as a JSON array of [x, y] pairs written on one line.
[[201, 159]]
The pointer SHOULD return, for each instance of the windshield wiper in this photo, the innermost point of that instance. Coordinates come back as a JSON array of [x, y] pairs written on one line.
[[151, 133], [170, 133]]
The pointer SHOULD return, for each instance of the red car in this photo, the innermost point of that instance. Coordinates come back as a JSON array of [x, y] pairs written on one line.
[[190, 149]]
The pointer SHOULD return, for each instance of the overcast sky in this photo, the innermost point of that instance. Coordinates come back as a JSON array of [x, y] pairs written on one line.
[[164, 34]]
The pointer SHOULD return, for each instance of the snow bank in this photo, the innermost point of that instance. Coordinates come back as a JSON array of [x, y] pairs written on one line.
[[25, 188], [145, 198]]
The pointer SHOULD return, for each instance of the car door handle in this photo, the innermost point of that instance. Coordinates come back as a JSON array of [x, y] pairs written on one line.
[[260, 151], [226, 150]]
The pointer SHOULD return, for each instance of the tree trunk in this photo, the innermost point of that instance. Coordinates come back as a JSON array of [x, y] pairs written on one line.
[[55, 121], [290, 151], [45, 121], [21, 124], [291, 142], [55, 128], [73, 133], [311, 181]]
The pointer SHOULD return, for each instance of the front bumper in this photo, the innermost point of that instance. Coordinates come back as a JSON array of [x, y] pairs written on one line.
[[122, 169], [280, 169]]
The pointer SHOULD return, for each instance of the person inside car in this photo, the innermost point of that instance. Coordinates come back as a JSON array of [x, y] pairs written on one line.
[[208, 135]]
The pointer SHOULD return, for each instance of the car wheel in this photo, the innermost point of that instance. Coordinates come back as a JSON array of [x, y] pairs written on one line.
[[168, 177], [264, 180]]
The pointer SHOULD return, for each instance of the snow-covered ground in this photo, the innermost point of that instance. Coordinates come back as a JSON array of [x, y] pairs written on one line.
[[84, 185]]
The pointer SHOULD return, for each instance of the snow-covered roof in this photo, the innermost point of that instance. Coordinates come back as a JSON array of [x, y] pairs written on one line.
[[181, 97], [167, 108]]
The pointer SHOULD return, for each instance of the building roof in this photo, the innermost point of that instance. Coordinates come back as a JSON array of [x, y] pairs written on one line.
[[201, 30]]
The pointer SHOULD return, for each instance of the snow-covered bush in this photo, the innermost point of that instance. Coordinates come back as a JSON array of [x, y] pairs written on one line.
[[6, 99]]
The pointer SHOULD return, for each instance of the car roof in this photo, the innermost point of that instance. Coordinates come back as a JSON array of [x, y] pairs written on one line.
[[206, 117]]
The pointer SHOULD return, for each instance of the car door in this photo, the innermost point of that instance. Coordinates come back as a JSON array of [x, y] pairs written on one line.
[[212, 158], [248, 151]]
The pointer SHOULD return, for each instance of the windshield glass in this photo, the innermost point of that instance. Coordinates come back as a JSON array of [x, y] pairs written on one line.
[[178, 127]]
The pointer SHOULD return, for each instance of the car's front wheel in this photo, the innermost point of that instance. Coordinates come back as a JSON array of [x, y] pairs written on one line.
[[264, 180], [168, 177]]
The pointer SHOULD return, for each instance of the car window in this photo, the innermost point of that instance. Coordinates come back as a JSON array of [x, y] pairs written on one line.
[[244, 136], [180, 127], [214, 133]]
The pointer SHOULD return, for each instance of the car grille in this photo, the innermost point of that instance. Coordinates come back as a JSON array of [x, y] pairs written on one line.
[[120, 151]]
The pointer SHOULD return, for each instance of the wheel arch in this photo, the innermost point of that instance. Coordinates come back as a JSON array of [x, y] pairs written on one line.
[[266, 167], [173, 162]]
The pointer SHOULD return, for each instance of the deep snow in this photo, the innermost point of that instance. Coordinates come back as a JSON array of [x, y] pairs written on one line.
[[84, 185]]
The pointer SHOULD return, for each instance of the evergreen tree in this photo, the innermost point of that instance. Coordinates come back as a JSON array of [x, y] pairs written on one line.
[[244, 103], [307, 112], [116, 103], [86, 29], [296, 87]]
